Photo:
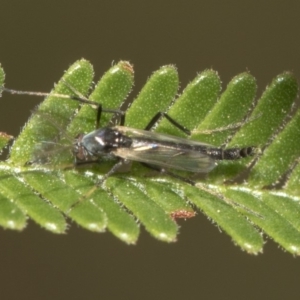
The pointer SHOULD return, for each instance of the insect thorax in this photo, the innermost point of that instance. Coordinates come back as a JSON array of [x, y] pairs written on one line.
[[99, 142]]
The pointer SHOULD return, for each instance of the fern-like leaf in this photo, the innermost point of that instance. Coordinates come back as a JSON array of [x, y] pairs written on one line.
[[244, 198]]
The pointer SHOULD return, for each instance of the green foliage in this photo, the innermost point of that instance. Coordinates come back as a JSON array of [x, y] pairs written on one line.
[[265, 198]]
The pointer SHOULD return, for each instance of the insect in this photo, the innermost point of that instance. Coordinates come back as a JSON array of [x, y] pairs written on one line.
[[160, 152], [157, 151]]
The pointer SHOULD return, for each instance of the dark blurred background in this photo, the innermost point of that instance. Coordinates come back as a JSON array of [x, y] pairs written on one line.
[[39, 40]]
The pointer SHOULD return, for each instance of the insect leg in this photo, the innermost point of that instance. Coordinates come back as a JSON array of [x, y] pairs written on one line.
[[204, 188], [99, 112], [171, 120], [78, 97], [164, 171], [100, 109], [117, 112], [115, 167], [113, 170], [42, 94]]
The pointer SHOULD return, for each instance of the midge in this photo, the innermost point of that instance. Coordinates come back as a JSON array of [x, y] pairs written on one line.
[[157, 151]]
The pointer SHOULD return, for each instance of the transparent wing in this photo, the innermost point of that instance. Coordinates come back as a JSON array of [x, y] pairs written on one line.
[[165, 151], [50, 153]]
